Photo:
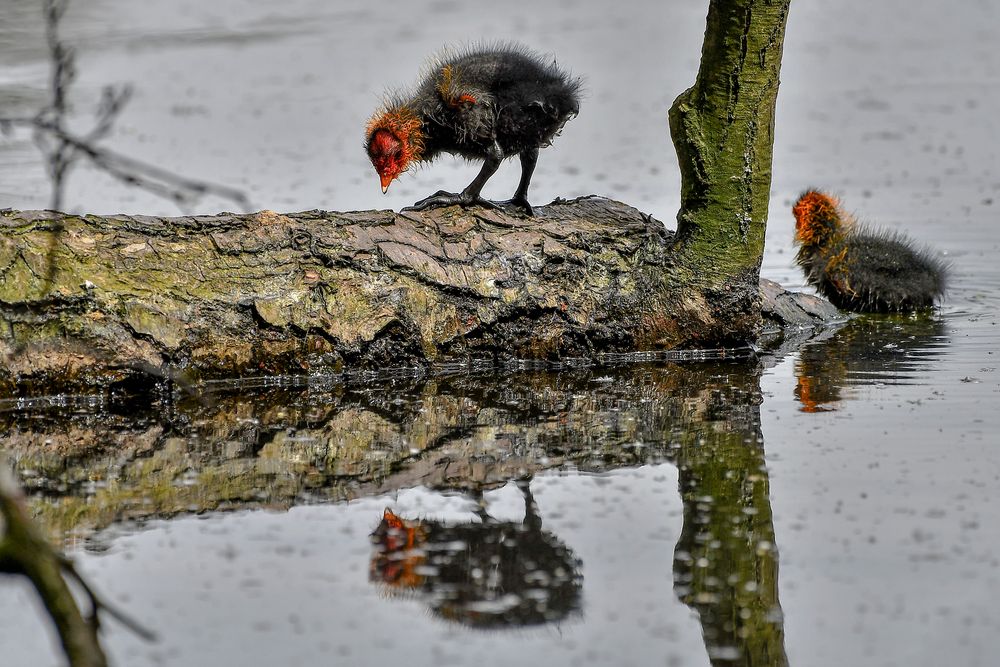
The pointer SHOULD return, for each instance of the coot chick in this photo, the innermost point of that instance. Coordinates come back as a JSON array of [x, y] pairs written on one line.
[[860, 269], [485, 104]]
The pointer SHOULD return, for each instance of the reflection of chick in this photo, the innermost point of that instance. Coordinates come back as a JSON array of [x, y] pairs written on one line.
[[892, 349], [815, 393], [490, 575], [858, 269]]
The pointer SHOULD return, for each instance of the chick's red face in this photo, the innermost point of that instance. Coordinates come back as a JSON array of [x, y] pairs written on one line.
[[816, 217], [387, 154]]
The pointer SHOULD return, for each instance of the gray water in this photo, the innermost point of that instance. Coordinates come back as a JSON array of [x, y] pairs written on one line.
[[857, 470]]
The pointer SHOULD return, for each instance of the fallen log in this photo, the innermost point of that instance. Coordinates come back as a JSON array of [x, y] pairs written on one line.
[[92, 299]]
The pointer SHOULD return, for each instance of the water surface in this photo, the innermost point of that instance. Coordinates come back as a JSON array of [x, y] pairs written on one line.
[[830, 503]]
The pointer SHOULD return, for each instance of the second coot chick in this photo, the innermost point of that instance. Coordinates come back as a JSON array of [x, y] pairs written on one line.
[[860, 269]]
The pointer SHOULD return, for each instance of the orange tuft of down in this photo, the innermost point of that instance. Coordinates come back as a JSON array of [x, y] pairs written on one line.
[[403, 534], [403, 569], [404, 124], [817, 218], [394, 138], [445, 89], [393, 520], [838, 269]]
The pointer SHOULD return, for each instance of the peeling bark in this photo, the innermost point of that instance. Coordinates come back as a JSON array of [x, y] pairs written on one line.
[[204, 297]]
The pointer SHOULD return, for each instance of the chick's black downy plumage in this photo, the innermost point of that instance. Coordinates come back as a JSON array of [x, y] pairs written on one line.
[[483, 104]]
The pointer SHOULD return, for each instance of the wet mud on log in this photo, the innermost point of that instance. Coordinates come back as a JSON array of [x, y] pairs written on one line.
[[98, 300]]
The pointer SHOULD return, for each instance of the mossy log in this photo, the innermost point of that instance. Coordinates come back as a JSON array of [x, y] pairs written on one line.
[[90, 299]]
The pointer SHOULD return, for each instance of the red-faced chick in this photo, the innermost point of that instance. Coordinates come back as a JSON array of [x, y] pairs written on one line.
[[484, 104]]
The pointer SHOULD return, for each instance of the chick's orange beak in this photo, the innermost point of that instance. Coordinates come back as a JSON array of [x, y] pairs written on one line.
[[386, 180]]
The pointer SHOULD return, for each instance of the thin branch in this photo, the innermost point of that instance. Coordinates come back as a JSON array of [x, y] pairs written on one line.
[[99, 604], [23, 550], [180, 189], [62, 148]]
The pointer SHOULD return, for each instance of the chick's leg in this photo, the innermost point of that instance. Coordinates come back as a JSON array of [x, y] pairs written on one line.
[[520, 198], [470, 196]]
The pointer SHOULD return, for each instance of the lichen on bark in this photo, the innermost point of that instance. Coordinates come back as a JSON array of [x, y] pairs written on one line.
[[723, 131]]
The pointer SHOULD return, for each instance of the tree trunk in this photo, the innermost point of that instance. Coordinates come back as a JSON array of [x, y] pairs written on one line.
[[723, 131]]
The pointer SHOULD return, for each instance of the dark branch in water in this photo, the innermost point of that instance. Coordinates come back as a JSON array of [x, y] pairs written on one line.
[[25, 551]]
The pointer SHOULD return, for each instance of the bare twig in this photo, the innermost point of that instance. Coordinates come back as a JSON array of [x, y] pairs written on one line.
[[62, 148], [99, 604], [182, 190], [25, 551]]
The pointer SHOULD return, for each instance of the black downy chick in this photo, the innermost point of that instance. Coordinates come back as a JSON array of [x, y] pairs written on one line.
[[862, 270], [484, 104]]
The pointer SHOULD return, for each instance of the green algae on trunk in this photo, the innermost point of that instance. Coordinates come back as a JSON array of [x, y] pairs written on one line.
[[723, 131]]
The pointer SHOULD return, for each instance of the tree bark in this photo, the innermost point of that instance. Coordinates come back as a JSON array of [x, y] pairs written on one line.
[[723, 131], [88, 299]]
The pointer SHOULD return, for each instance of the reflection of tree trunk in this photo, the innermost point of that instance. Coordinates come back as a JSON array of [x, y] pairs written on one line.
[[463, 432], [725, 565], [726, 560]]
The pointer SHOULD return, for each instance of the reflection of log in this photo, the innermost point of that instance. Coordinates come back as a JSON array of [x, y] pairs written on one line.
[[92, 299], [219, 451], [271, 448], [279, 447]]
